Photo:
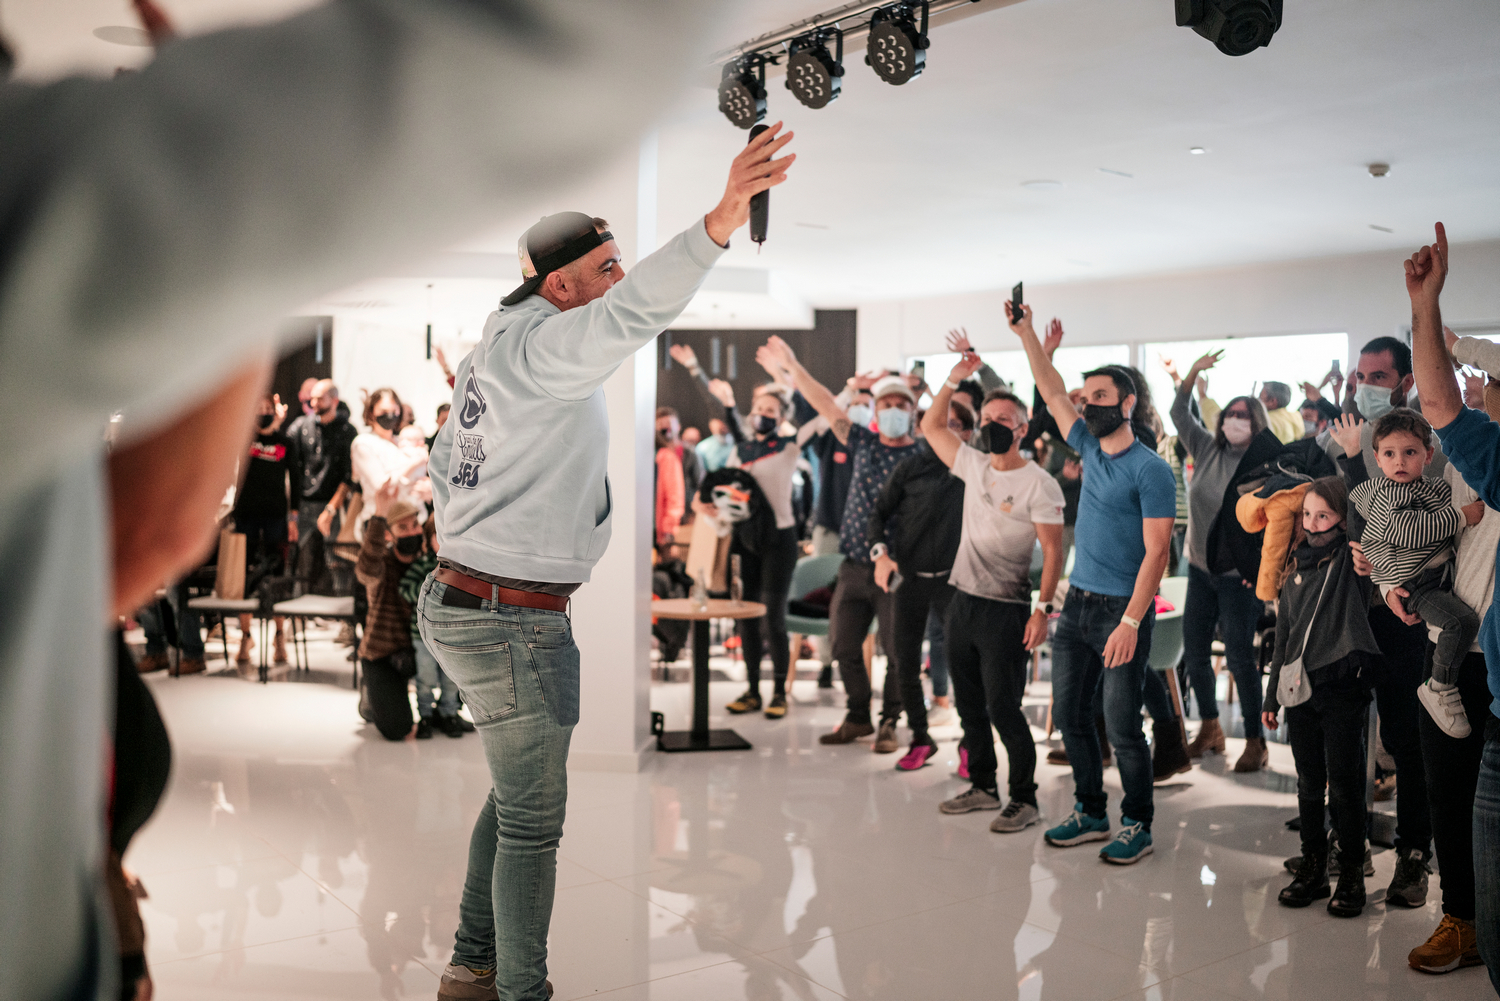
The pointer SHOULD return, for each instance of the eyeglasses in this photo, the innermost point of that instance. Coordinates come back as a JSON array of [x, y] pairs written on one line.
[[1237, 413]]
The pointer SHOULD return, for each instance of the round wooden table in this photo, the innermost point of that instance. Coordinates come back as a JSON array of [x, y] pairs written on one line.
[[700, 737]]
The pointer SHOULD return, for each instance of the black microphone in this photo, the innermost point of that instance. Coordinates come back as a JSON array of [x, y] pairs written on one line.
[[760, 205]]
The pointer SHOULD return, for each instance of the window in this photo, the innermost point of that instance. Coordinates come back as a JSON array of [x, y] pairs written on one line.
[[1246, 365]]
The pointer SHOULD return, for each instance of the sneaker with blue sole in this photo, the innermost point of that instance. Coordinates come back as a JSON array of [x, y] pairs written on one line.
[[1078, 828], [1130, 844]]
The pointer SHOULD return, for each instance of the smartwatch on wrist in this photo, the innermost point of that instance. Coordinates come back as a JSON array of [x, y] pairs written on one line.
[[878, 550]]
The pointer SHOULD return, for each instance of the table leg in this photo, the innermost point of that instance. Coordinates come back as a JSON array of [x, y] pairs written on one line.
[[700, 737]]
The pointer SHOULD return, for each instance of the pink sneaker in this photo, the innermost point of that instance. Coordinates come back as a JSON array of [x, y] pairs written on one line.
[[963, 762], [916, 757]]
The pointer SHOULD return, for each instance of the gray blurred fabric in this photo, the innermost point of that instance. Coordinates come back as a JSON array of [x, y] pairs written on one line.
[[154, 228]]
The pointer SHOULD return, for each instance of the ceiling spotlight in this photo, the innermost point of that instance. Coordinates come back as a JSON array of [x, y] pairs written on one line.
[[897, 48], [742, 91], [1378, 169], [1235, 26], [812, 75], [1197, 150]]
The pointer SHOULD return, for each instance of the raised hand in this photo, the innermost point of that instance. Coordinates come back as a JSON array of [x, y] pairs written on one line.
[[1345, 431], [385, 496], [1170, 367], [1312, 392], [1207, 362], [958, 341], [753, 170], [865, 381], [723, 391], [1054, 337], [1428, 268], [1474, 391], [967, 366], [683, 355], [280, 408], [1019, 324]]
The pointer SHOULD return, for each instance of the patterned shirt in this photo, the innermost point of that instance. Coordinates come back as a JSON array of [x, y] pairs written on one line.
[[873, 463], [1406, 525]]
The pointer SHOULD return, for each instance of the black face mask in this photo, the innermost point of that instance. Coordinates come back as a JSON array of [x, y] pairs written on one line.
[[1319, 540], [765, 424], [995, 438], [389, 421], [1102, 420], [409, 545], [264, 420]]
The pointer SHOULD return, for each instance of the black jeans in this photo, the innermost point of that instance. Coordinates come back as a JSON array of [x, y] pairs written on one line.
[[1396, 675], [988, 663], [1328, 745], [1432, 599], [915, 599], [386, 691], [856, 603], [1227, 602], [767, 578], [1452, 774]]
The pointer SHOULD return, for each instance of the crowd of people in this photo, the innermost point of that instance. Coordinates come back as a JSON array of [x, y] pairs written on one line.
[[1333, 551]]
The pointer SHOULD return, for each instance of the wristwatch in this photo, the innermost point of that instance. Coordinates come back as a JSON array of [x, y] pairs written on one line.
[[1047, 608], [878, 550]]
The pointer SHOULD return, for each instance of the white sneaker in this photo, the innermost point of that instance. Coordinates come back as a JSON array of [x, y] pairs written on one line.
[[1446, 708], [974, 799], [1016, 816]]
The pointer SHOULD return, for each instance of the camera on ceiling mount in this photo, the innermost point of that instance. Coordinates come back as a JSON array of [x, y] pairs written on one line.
[[1235, 26]]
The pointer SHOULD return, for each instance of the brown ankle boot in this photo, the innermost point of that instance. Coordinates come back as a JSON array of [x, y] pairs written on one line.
[[1256, 756], [1210, 738]]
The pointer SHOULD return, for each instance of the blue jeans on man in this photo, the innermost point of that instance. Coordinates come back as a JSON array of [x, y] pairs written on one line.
[[1078, 670], [518, 670]]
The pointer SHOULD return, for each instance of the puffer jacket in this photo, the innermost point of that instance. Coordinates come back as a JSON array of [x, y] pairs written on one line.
[[1276, 516]]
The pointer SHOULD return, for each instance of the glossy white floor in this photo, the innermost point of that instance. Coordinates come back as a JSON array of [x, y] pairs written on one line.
[[298, 855]]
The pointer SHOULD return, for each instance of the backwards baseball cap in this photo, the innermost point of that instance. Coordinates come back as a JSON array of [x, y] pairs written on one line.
[[555, 241], [892, 385]]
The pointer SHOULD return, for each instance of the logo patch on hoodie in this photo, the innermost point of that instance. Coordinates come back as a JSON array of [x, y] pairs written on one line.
[[474, 403], [471, 451]]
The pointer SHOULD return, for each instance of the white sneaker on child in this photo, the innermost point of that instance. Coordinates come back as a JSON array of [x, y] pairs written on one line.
[[1443, 704]]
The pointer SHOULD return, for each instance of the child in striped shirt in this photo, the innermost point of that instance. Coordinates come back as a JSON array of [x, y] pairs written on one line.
[[1410, 525]]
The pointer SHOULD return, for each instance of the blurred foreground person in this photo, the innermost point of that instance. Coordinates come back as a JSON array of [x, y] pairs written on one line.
[[158, 225]]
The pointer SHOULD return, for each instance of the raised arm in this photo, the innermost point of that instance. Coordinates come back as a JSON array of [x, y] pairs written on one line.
[[1437, 385], [935, 422], [777, 355], [1048, 382], [1190, 432]]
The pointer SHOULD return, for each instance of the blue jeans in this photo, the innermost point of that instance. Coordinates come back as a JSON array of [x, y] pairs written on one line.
[[1487, 851], [189, 624], [518, 670], [937, 656], [1077, 666], [1222, 600], [430, 676]]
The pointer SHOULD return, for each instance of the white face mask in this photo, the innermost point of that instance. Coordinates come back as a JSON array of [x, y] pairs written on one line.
[[1373, 401], [860, 414], [894, 423], [1237, 430]]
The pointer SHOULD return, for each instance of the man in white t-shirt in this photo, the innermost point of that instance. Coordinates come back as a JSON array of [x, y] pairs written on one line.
[[1009, 504]]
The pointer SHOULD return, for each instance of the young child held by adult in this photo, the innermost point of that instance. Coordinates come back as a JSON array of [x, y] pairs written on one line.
[[1408, 537], [1322, 622]]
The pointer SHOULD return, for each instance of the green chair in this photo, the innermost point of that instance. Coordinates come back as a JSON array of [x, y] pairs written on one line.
[[811, 573]]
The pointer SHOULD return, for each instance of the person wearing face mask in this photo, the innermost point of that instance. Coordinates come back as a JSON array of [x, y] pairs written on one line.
[[766, 572], [1322, 626], [324, 439], [670, 492], [1220, 596], [713, 451], [376, 457], [1125, 515], [392, 540], [1382, 381], [918, 517], [857, 599], [264, 506], [1009, 505]]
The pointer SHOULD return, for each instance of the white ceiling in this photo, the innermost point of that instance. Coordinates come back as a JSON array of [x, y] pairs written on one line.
[[917, 190]]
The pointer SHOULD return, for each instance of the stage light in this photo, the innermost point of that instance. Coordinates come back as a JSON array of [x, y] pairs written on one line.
[[1235, 26], [742, 91], [897, 48], [812, 75]]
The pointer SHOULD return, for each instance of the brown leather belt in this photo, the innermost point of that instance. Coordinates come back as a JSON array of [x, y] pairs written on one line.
[[506, 595]]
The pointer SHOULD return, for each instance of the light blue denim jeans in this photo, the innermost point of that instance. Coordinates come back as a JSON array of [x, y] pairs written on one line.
[[518, 670], [430, 676]]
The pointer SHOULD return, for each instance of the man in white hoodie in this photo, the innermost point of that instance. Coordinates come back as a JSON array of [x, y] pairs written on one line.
[[523, 508]]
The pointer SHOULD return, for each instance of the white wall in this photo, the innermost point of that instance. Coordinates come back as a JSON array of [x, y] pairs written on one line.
[[1362, 295]]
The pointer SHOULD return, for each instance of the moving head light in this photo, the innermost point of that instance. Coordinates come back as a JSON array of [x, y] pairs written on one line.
[[1235, 26]]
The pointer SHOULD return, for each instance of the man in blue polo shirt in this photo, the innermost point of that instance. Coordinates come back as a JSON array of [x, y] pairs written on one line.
[[1125, 515]]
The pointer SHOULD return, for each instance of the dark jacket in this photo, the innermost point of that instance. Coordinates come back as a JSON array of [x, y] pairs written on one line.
[[757, 532], [388, 621], [263, 494], [1342, 627], [324, 450], [919, 514], [1230, 547]]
